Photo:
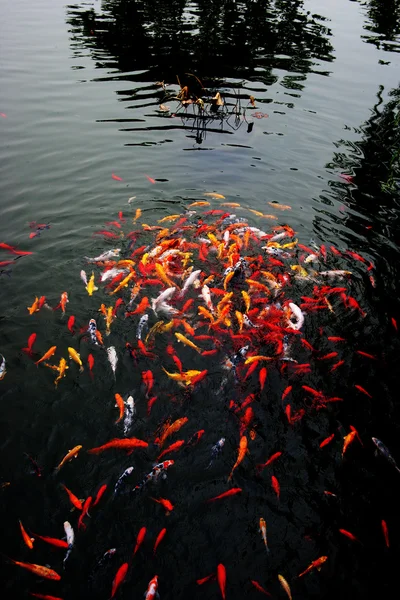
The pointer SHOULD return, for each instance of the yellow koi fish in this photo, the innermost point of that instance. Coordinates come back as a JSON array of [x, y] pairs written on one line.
[[200, 203], [90, 288], [124, 282], [246, 299], [214, 195], [164, 277], [62, 367], [184, 340], [169, 219], [252, 359], [75, 357], [138, 214]]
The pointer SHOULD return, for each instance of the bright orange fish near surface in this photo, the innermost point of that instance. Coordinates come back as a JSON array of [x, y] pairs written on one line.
[[27, 539], [121, 405], [44, 572], [316, 564], [241, 454], [121, 444], [47, 355], [70, 454]]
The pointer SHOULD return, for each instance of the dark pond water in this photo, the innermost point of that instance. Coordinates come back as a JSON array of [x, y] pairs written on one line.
[[310, 93]]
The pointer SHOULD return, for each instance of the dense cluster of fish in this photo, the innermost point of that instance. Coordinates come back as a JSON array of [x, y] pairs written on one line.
[[210, 298]]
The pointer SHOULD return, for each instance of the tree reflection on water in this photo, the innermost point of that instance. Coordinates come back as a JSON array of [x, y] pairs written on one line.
[[226, 44]]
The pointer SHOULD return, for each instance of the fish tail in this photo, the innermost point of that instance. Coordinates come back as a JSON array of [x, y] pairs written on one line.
[[81, 369]]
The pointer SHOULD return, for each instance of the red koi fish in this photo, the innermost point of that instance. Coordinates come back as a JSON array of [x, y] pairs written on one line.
[[231, 492], [31, 341], [116, 177], [123, 444], [327, 441], [150, 178], [148, 380], [52, 541], [276, 486], [385, 532], [139, 539], [84, 512], [159, 539], [90, 360], [73, 499], [221, 578], [260, 587], [269, 461], [100, 494], [363, 391], [165, 503], [361, 353], [71, 323], [286, 392], [349, 535], [172, 448], [119, 578], [262, 376]]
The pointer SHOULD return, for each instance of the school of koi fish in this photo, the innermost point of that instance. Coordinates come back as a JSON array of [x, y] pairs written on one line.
[[203, 310]]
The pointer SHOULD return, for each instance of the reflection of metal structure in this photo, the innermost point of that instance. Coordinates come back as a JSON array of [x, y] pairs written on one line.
[[210, 111]]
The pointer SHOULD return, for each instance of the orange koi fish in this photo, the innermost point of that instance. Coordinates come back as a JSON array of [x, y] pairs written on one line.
[[327, 440], [119, 578], [285, 586], [73, 499], [141, 307], [170, 429], [231, 492], [316, 564], [38, 570], [34, 307], [47, 355], [28, 540], [159, 539], [70, 454], [241, 454], [165, 503], [347, 440], [263, 529], [214, 195], [122, 444], [121, 405]]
